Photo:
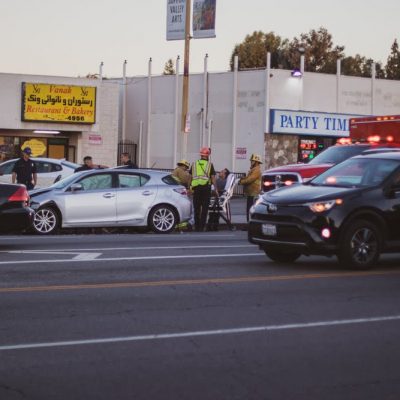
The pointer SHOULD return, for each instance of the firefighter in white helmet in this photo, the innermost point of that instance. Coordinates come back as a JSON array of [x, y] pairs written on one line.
[[252, 181]]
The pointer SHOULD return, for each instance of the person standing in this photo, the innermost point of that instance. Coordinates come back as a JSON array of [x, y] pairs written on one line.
[[127, 162], [24, 171], [88, 165], [203, 175], [181, 173], [252, 182]]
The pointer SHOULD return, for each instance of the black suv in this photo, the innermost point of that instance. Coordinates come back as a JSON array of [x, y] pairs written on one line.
[[351, 210]]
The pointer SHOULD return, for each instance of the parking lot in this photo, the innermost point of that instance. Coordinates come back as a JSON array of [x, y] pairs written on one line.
[[199, 316]]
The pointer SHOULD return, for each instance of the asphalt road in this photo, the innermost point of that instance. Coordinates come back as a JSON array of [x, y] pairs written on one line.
[[191, 316]]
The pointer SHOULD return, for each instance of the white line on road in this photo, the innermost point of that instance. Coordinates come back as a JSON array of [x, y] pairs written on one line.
[[230, 255], [87, 256], [266, 328], [66, 251], [78, 256], [24, 238]]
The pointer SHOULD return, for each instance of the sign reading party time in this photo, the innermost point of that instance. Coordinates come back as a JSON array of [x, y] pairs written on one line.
[[310, 123], [58, 103]]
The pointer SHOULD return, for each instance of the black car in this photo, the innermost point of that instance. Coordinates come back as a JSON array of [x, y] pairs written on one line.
[[15, 215], [351, 210]]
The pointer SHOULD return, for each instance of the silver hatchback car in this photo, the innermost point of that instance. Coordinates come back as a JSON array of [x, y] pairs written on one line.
[[111, 198]]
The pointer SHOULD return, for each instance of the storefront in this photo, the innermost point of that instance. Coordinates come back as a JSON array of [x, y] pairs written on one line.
[[301, 135], [58, 118], [11, 144]]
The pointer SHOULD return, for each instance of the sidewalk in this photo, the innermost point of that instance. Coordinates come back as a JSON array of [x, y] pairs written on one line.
[[238, 208]]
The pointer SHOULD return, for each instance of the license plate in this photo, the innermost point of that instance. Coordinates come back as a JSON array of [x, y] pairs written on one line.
[[269, 229]]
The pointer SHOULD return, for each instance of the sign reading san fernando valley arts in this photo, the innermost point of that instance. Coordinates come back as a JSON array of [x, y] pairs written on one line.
[[310, 123], [58, 103]]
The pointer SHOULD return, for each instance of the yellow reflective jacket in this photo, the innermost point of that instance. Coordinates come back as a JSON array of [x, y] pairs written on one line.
[[201, 173]]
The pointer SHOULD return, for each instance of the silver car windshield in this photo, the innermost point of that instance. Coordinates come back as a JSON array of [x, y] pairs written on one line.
[[357, 172]]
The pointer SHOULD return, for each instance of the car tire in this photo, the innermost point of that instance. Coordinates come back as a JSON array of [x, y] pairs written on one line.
[[163, 219], [360, 245], [281, 256], [46, 221]]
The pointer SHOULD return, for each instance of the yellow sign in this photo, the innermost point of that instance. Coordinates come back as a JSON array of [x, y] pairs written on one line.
[[58, 103], [37, 146]]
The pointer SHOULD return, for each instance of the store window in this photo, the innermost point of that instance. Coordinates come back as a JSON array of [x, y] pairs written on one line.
[[9, 148]]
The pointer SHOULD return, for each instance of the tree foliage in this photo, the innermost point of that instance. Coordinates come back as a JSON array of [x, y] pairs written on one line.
[[320, 52], [169, 67], [393, 62], [252, 52]]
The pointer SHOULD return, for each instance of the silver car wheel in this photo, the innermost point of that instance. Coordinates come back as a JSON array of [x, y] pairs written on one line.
[[163, 219], [45, 221]]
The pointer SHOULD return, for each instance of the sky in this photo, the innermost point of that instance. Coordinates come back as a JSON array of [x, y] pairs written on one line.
[[72, 37]]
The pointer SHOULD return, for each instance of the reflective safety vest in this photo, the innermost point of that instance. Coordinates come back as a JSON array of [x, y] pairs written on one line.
[[201, 170]]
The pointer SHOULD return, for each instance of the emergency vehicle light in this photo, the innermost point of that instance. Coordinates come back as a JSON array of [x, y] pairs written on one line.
[[344, 141], [374, 139]]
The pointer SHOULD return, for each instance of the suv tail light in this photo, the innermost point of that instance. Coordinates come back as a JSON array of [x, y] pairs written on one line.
[[181, 191], [21, 195]]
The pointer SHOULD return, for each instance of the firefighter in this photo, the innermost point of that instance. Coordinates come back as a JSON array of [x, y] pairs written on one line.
[[203, 175], [252, 181], [181, 173]]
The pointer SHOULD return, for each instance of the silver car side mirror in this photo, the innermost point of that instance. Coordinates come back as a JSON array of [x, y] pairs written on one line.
[[75, 187]]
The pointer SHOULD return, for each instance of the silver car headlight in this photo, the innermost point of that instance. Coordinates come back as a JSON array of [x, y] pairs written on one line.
[[321, 206]]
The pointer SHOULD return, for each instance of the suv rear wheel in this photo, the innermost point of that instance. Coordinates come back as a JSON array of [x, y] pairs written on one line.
[[360, 245], [162, 219]]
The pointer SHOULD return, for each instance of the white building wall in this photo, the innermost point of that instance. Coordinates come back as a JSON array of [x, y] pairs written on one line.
[[313, 93]]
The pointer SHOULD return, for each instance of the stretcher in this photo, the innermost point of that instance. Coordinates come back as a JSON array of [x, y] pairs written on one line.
[[220, 205]]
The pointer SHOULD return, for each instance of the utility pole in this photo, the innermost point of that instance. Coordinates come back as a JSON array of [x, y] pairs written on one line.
[[185, 94]]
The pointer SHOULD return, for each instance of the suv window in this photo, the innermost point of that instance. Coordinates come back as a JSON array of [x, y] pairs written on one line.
[[170, 180], [339, 153], [45, 167], [131, 180], [7, 168], [97, 182]]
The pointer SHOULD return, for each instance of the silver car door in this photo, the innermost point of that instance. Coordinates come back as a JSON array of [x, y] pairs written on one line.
[[6, 171], [94, 204], [46, 172], [135, 196]]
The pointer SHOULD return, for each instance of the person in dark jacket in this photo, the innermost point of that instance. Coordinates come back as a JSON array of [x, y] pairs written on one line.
[[24, 171], [126, 161], [88, 165]]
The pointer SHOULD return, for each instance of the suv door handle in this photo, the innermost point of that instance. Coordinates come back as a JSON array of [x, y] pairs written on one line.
[[108, 195], [147, 193]]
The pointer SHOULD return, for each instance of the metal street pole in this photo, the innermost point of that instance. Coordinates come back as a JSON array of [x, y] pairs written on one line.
[[185, 94]]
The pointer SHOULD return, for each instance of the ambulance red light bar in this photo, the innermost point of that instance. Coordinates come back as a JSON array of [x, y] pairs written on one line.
[[344, 141], [374, 139]]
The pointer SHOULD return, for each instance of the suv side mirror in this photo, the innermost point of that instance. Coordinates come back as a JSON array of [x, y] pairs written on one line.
[[76, 187]]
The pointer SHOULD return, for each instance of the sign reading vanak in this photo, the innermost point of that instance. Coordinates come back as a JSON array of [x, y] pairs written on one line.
[[44, 102]]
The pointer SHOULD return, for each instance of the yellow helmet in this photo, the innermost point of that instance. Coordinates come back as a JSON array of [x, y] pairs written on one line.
[[256, 158], [185, 163]]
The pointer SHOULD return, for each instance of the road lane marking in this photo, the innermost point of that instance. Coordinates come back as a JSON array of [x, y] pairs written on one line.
[[216, 332], [188, 282], [148, 258], [126, 235], [87, 256], [78, 256], [65, 251]]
